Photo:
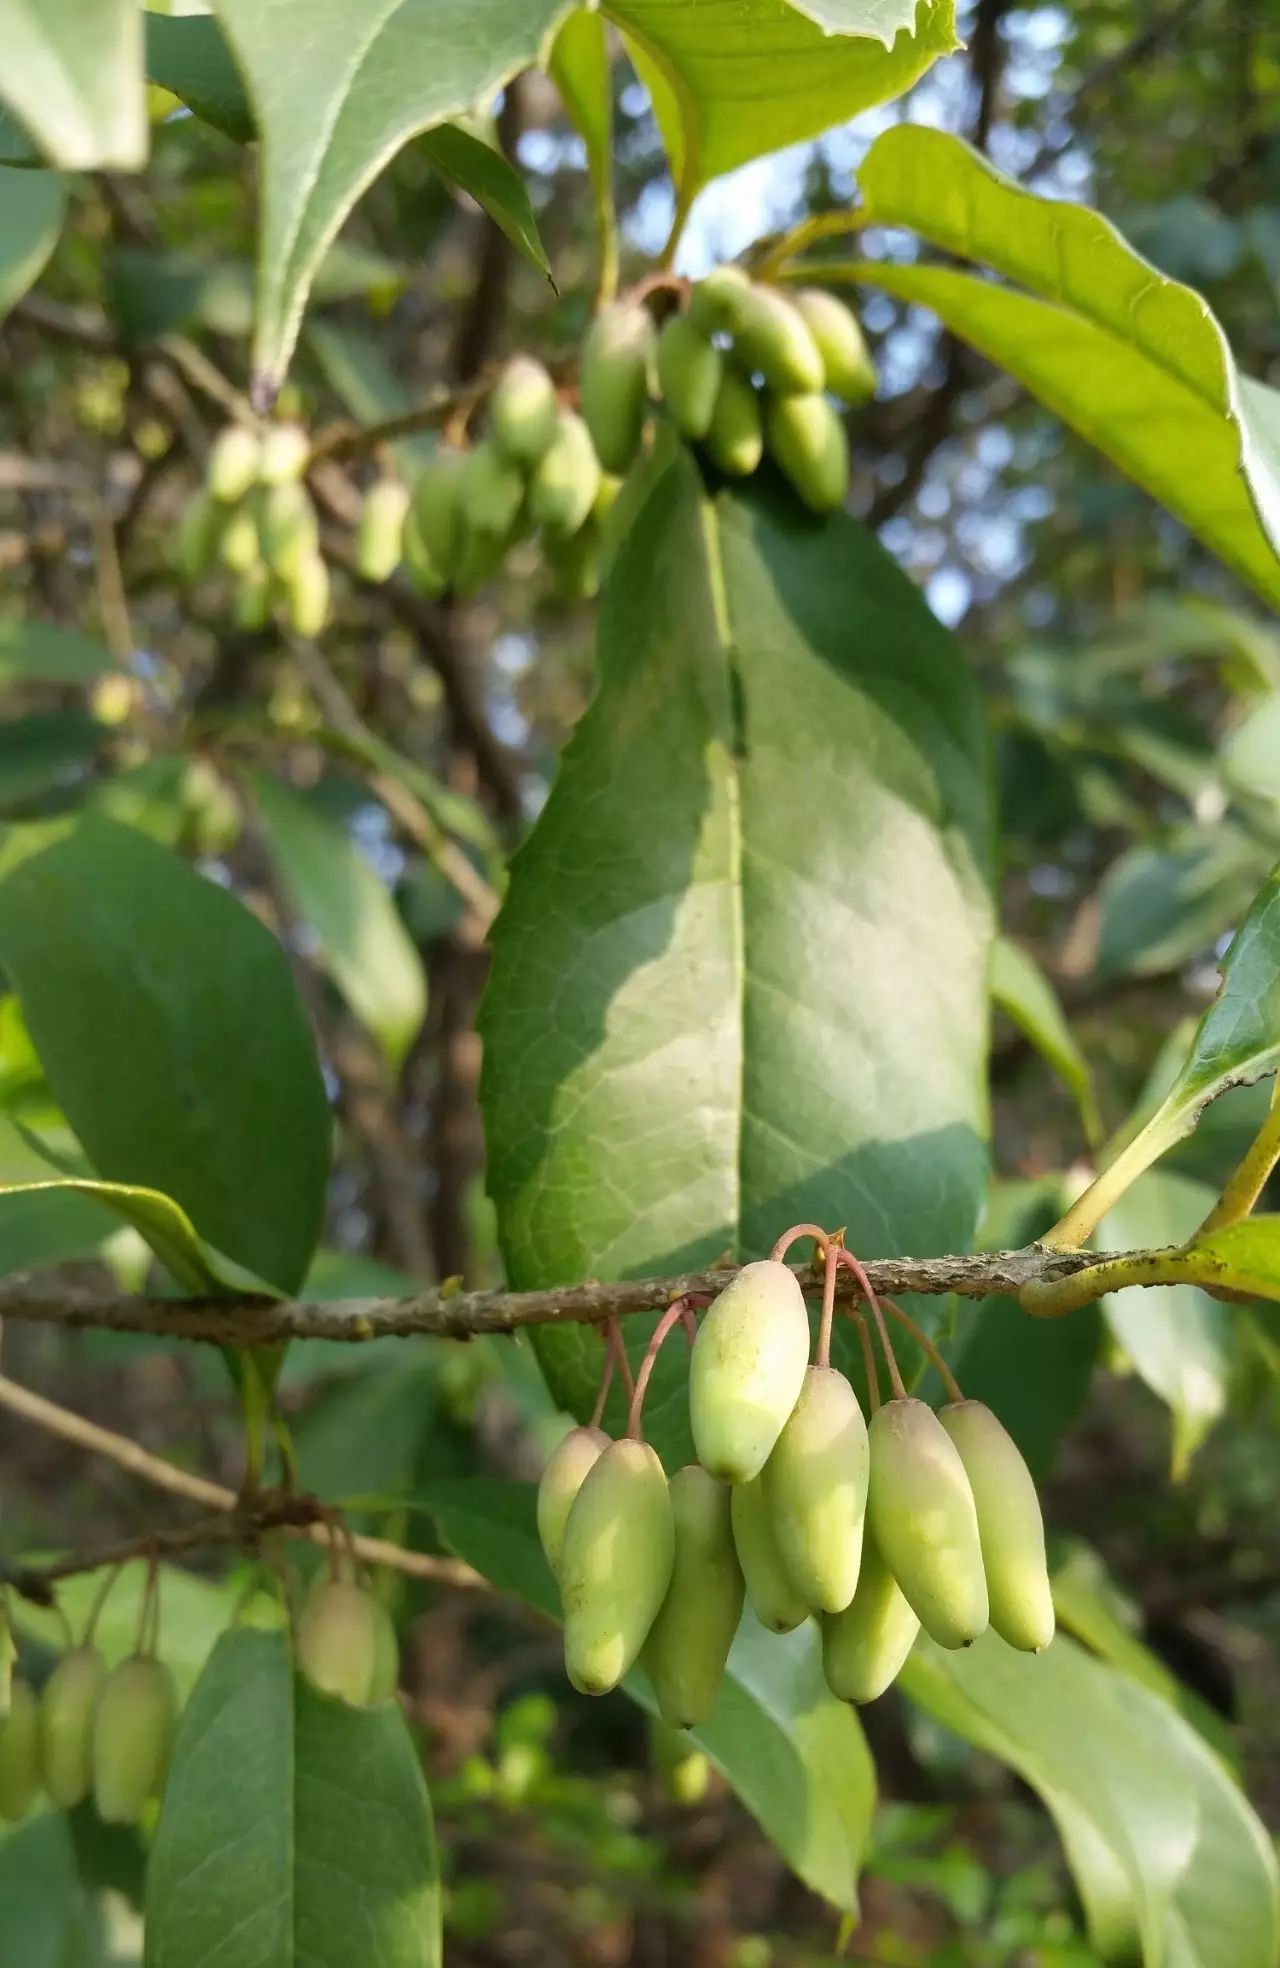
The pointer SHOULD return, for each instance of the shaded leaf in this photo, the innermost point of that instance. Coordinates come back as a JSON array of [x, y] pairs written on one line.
[[188, 56], [794, 1754], [362, 941], [32, 651], [1133, 361], [47, 1919], [484, 173], [31, 205], [73, 77], [1025, 995], [580, 67], [1177, 1337], [1160, 906], [730, 83], [739, 979], [29, 1209], [172, 1036], [321, 1852], [45, 753], [356, 88]]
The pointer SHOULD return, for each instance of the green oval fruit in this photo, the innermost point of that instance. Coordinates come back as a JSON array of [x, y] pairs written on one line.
[[735, 438], [689, 1641], [683, 1771], [239, 548], [304, 594], [1009, 1524], [419, 563], [815, 1483], [492, 492], [284, 454], [774, 1600], [337, 1640], [288, 529], [615, 1564], [479, 558], [576, 563], [251, 609], [614, 386], [806, 436], [566, 482], [523, 411], [747, 1370], [850, 372], [380, 532], [437, 506], [772, 337], [232, 467], [921, 1512], [67, 1703], [133, 1728], [562, 1478], [689, 372], [714, 301], [863, 1647], [606, 495], [386, 1654], [19, 1752], [198, 541]]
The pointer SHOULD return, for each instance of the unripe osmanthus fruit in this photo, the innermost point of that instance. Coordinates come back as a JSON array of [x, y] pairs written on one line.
[[380, 531], [198, 541], [850, 372], [284, 454], [492, 492], [234, 457], [863, 1647], [815, 1483], [67, 1704], [614, 384], [523, 411], [773, 337], [336, 1641], [251, 605], [747, 1369], [615, 1564], [575, 563], [921, 1513], [304, 595], [386, 1654], [239, 545], [562, 1478], [806, 436], [1009, 1524], [715, 300], [133, 1726], [419, 562], [689, 372], [774, 1599], [683, 1771], [735, 438], [288, 529], [566, 479], [437, 506], [689, 1641], [20, 1752]]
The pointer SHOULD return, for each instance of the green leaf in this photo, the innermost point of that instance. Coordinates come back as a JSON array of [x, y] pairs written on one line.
[[356, 88], [362, 941], [1135, 362], [30, 1209], [580, 67], [1161, 905], [172, 1036], [794, 1754], [739, 979], [1251, 752], [730, 83], [44, 652], [31, 205], [1178, 1338], [187, 55], [484, 173], [294, 1822], [46, 1917], [45, 753], [1244, 1257], [1164, 1846], [1025, 995], [1236, 1042], [73, 77]]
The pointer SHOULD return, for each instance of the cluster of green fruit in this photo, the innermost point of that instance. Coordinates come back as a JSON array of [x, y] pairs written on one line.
[[743, 369], [345, 1641], [91, 1731], [254, 517], [922, 1519]]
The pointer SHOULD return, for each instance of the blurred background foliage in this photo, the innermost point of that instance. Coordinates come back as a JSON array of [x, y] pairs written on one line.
[[1134, 693]]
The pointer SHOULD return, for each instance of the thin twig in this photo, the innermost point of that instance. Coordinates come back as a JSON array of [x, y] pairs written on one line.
[[928, 1348]]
